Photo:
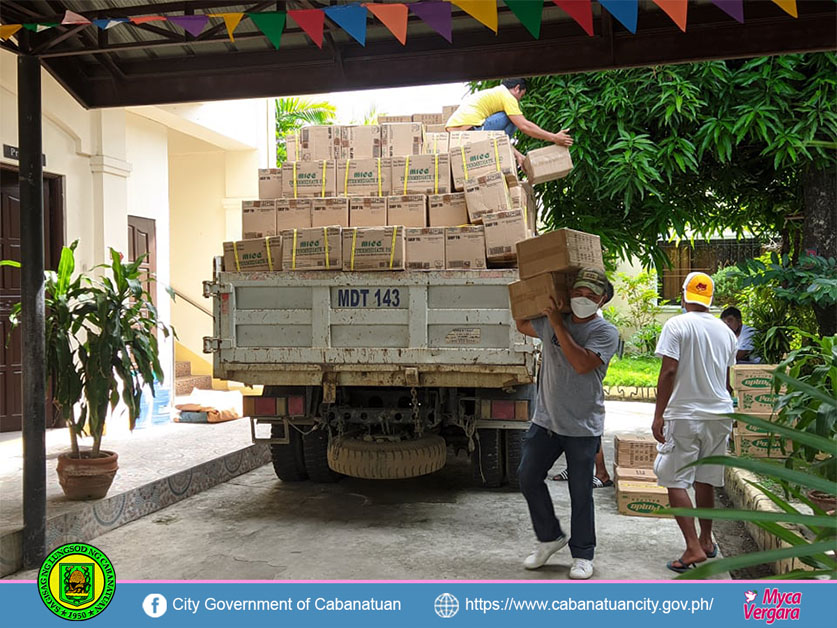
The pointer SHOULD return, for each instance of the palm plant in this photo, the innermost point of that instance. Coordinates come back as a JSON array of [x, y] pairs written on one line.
[[294, 113]]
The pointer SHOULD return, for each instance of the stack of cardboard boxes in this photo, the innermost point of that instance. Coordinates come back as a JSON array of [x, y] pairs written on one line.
[[753, 385], [637, 491]]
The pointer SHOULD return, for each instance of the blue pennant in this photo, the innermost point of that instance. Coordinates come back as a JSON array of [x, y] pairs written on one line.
[[625, 12], [351, 18]]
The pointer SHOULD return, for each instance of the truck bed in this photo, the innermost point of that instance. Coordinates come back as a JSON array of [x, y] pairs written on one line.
[[438, 328]]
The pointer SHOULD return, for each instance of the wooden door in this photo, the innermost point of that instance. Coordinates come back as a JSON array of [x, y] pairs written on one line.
[[142, 240]]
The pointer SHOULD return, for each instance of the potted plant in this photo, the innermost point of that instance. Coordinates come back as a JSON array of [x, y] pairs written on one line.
[[101, 347]]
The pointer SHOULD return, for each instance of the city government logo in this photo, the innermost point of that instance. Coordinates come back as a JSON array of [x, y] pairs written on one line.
[[76, 581]]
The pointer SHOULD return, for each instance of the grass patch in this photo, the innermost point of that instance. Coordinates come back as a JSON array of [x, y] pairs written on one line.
[[633, 371]]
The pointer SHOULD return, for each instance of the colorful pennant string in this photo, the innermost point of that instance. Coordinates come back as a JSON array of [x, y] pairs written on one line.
[[148, 18], [393, 16], [109, 22], [529, 13], [231, 21], [733, 8], [70, 17], [483, 12], [311, 21], [676, 10], [624, 11], [351, 18], [788, 6], [192, 24], [580, 10], [271, 24], [437, 15], [40, 27], [9, 30]]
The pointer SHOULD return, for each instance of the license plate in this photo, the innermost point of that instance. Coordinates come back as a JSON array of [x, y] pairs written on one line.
[[366, 298]]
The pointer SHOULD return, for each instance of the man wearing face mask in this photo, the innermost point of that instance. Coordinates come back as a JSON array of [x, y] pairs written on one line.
[[569, 418]]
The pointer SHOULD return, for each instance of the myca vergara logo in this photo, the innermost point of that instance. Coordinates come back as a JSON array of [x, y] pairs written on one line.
[[76, 581], [772, 605]]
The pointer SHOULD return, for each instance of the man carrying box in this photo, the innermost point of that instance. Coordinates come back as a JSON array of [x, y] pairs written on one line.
[[569, 418], [498, 109], [693, 393]]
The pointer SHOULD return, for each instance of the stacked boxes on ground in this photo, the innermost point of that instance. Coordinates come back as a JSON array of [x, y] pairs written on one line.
[[637, 491], [753, 386]]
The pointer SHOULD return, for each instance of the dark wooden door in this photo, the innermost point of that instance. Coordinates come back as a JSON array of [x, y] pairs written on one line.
[[11, 354], [142, 240]]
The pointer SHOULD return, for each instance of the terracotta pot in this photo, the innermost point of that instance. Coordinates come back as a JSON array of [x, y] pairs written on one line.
[[86, 477], [826, 501]]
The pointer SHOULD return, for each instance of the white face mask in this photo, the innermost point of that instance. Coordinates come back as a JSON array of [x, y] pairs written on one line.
[[583, 307]]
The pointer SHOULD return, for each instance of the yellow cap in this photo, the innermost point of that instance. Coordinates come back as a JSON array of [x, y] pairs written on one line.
[[698, 288]]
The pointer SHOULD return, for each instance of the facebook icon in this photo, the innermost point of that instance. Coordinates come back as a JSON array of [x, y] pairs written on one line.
[[154, 605]]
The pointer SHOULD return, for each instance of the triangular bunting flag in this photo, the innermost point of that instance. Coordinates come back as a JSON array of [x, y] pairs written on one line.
[[529, 13], [788, 6], [580, 10], [231, 21], [351, 18], [40, 28], [436, 15], [109, 22], [148, 18], [311, 21], [394, 17], [625, 12], [483, 11], [71, 17], [676, 10], [192, 24], [733, 8], [8, 30], [271, 23]]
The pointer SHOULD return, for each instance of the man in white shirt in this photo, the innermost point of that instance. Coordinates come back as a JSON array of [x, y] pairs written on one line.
[[745, 353], [693, 393]]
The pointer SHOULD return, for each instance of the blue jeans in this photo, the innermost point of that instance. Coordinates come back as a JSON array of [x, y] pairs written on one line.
[[498, 122], [541, 448]]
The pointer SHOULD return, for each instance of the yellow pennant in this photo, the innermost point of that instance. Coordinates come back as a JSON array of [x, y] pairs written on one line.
[[484, 11], [232, 20], [8, 30], [788, 6]]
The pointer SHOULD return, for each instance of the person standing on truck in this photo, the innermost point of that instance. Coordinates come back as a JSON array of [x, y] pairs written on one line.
[[498, 109], [568, 419], [693, 394]]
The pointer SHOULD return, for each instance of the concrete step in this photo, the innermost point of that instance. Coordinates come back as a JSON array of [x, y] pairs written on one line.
[[182, 369], [184, 385]]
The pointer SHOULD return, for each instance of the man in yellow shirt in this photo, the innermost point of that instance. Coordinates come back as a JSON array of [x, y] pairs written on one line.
[[498, 109]]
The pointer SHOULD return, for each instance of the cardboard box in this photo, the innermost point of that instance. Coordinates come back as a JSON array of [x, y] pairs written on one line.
[[367, 211], [318, 248], [531, 206], [421, 174], [253, 255], [633, 475], [373, 248], [470, 161], [564, 250], [308, 179], [360, 142], [461, 138], [434, 128], [547, 164], [486, 194], [425, 248], [407, 211], [292, 146], [742, 427], [320, 142], [400, 140], [270, 183], [753, 376], [503, 230], [756, 401], [429, 118], [465, 247], [258, 219], [447, 210], [394, 119], [448, 111], [761, 446], [636, 452], [435, 143], [327, 212], [641, 499], [364, 177], [293, 213], [529, 297]]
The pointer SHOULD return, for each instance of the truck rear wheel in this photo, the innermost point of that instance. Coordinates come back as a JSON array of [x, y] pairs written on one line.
[[514, 449], [288, 460], [487, 458], [387, 460], [315, 450]]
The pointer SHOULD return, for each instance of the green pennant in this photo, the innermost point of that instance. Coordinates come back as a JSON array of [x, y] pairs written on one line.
[[40, 26], [529, 13], [271, 23]]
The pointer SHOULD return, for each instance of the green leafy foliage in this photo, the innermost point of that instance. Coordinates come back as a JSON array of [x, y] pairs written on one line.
[[810, 281], [640, 293], [293, 114], [687, 150]]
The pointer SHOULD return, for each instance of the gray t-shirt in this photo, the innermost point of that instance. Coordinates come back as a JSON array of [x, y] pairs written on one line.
[[569, 403]]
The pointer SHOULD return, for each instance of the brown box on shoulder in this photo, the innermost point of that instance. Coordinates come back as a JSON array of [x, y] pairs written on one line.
[[530, 297], [564, 250]]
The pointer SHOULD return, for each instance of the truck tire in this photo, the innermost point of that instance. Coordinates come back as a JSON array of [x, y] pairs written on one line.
[[388, 460], [487, 458], [514, 448], [315, 450], [288, 460]]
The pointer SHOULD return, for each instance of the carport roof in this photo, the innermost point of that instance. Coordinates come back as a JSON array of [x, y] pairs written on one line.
[[157, 62]]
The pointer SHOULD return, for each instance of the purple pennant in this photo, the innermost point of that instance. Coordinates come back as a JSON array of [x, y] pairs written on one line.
[[436, 15], [733, 8], [192, 24]]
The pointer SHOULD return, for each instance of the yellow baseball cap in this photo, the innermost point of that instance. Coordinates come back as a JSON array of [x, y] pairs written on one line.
[[698, 288]]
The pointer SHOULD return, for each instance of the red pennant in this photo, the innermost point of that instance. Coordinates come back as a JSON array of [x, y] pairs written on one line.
[[148, 18], [580, 10], [311, 21], [394, 17]]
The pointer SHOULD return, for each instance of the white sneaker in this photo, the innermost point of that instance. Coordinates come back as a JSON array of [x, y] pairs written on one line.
[[582, 569], [543, 551]]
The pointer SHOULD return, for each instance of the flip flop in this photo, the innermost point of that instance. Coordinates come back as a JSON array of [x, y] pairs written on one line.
[[683, 568], [597, 483], [714, 551], [563, 476]]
